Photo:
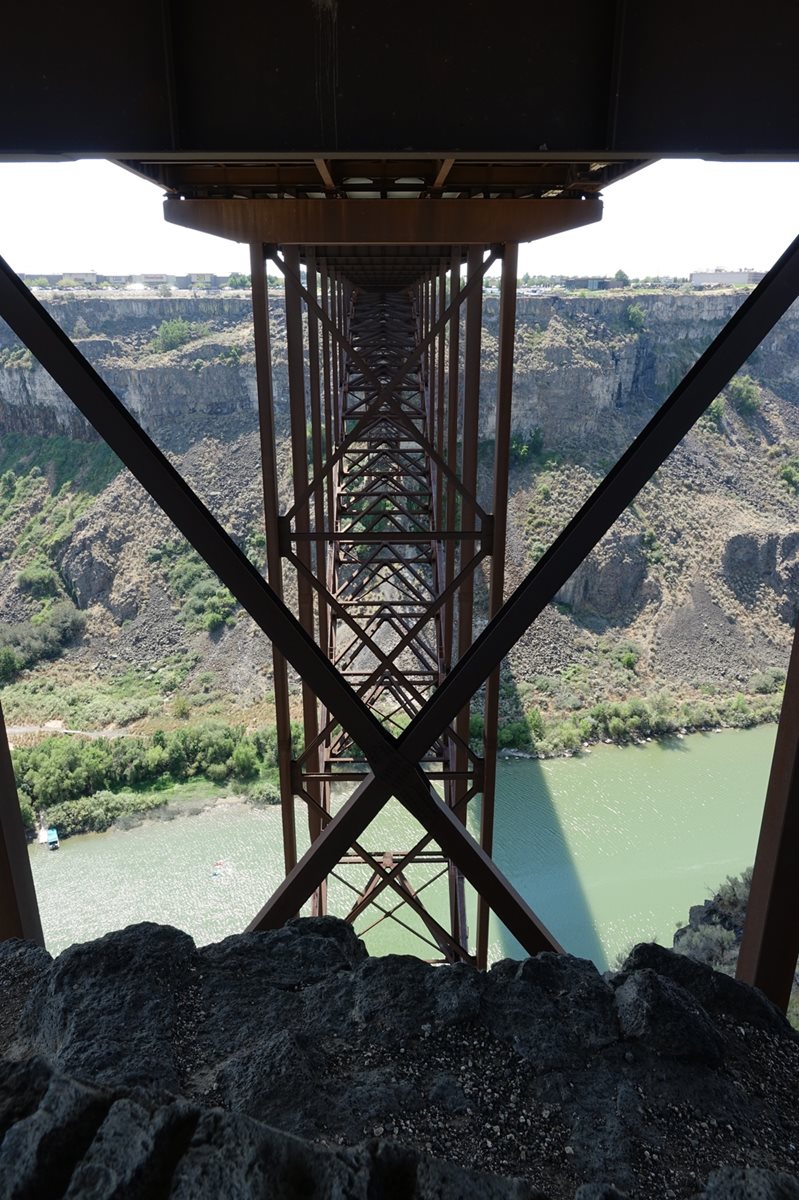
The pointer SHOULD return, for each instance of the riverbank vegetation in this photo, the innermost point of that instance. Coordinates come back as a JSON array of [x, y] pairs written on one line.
[[555, 730], [715, 929], [82, 785]]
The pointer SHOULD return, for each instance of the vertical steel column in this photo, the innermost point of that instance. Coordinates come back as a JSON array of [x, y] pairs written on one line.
[[507, 333], [329, 397], [440, 407], [468, 523], [316, 445], [453, 412], [299, 462], [770, 944], [274, 564], [319, 789], [19, 911]]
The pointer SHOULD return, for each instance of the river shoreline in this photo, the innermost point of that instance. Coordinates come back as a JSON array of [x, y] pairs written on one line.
[[608, 849], [176, 807]]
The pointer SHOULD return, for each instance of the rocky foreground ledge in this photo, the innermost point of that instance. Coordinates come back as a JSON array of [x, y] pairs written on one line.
[[290, 1064]]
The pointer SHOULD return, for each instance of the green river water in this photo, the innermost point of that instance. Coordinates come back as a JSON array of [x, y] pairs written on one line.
[[609, 848]]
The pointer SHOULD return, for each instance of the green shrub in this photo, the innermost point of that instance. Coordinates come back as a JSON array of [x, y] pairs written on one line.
[[713, 945], [263, 793], [715, 411], [206, 605], [790, 474], [535, 724], [245, 761], [10, 664], [766, 682], [39, 579], [636, 318], [27, 643], [524, 448], [513, 735], [28, 816], [744, 394], [733, 894], [174, 333], [476, 727]]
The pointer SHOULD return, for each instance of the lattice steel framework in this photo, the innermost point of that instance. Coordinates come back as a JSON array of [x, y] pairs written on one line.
[[378, 377], [386, 534], [369, 404]]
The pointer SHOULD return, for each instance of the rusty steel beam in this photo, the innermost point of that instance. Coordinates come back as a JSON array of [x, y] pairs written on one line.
[[473, 327], [507, 332], [442, 173], [453, 422], [770, 943], [323, 168], [299, 462], [19, 910], [266, 427], [335, 222]]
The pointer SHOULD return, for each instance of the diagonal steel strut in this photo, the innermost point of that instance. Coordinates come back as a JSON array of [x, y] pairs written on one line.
[[393, 774], [393, 761]]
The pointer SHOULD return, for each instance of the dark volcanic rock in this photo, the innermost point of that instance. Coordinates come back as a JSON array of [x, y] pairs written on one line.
[[106, 1009], [83, 1142], [665, 1017], [717, 993], [732, 1183], [645, 1082], [22, 965], [552, 1008]]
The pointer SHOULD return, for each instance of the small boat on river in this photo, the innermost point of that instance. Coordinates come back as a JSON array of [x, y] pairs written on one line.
[[52, 839]]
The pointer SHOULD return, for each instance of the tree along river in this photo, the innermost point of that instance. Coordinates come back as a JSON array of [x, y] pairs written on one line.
[[609, 848]]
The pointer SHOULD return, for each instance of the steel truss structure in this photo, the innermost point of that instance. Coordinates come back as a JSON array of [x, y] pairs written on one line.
[[371, 211], [385, 533]]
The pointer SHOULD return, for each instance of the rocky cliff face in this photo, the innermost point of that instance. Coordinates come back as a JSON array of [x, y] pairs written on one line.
[[583, 373], [177, 397], [701, 573], [586, 377], [360, 1077]]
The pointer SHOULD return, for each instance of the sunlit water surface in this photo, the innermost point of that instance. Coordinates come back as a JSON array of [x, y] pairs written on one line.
[[608, 848]]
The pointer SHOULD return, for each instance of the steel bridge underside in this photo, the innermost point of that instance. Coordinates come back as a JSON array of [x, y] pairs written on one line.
[[382, 230]]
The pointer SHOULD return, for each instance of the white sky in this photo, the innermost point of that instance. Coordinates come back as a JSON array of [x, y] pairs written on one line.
[[668, 219]]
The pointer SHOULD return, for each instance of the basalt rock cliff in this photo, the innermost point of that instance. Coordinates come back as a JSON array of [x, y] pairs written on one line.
[[291, 1064], [696, 584]]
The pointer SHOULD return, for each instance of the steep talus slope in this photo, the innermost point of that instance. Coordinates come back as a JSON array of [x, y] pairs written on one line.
[[645, 1083]]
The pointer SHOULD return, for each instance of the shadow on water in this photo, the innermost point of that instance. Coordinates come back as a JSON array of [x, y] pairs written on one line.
[[532, 848]]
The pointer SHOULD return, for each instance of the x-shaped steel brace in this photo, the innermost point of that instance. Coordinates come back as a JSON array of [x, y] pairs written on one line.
[[394, 762]]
